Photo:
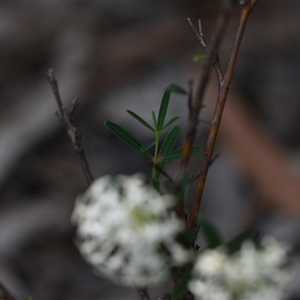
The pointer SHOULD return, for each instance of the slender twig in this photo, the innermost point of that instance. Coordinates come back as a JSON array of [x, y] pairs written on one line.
[[247, 7], [216, 59], [195, 103], [196, 106], [6, 295], [67, 117]]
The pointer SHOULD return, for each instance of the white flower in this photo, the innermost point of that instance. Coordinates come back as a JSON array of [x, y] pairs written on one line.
[[208, 291], [125, 231], [211, 263], [249, 274]]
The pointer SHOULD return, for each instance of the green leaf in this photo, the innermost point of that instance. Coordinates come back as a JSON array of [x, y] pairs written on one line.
[[154, 119], [142, 121], [170, 123], [236, 243], [199, 57], [182, 286], [173, 155], [178, 153], [170, 141], [175, 88], [126, 137], [163, 110], [167, 146], [147, 146], [211, 234]]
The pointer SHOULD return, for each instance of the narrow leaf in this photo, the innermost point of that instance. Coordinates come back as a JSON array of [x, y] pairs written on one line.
[[126, 137], [146, 153], [154, 119], [211, 234], [173, 155], [163, 110], [236, 243], [142, 121], [199, 57], [147, 146], [178, 153], [170, 141], [175, 88], [170, 123]]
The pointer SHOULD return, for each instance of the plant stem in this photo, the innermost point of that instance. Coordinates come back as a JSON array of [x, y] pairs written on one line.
[[216, 121], [194, 108], [155, 158], [67, 118]]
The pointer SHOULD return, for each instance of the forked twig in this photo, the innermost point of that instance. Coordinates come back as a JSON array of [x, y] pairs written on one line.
[[67, 117], [216, 59], [204, 77], [195, 102], [247, 7]]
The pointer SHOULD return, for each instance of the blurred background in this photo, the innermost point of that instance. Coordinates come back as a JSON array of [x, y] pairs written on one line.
[[118, 55]]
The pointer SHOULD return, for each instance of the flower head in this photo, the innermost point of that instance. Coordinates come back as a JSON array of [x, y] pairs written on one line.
[[125, 230], [251, 273]]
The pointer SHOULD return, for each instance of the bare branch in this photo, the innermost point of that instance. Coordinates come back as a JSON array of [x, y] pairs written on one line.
[[196, 106], [216, 121], [216, 61], [68, 119], [199, 33]]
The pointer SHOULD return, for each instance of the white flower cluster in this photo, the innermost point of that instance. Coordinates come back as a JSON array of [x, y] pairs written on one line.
[[125, 231], [249, 274]]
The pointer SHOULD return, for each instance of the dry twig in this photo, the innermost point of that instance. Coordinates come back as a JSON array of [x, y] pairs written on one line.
[[195, 103], [67, 117], [204, 77], [224, 86]]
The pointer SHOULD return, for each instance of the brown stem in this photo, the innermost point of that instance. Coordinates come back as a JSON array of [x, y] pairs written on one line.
[[67, 118], [216, 121], [196, 106], [73, 133]]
